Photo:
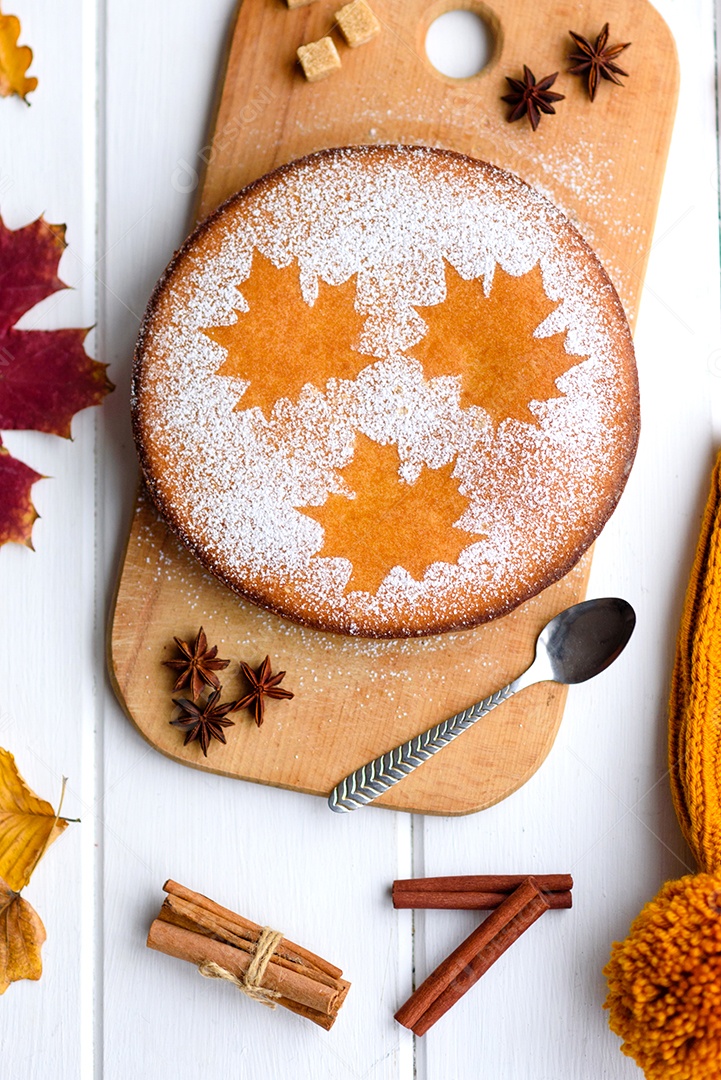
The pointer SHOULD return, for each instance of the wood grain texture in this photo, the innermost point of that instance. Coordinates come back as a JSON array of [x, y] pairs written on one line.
[[603, 164]]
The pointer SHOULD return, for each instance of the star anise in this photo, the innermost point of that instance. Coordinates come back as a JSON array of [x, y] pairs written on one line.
[[204, 722], [531, 97], [263, 684], [197, 666], [597, 60]]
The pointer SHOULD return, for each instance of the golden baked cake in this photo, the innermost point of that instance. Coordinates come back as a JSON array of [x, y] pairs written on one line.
[[386, 391]]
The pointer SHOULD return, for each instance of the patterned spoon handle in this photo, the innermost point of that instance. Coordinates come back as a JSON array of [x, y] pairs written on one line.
[[374, 779]]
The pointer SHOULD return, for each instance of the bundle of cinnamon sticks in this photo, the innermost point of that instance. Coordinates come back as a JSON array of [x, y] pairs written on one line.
[[191, 927], [516, 903]]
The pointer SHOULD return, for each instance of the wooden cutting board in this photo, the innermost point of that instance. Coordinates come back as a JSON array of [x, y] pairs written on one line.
[[603, 164]]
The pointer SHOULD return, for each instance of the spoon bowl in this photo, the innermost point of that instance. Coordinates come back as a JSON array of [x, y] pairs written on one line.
[[584, 639], [574, 646]]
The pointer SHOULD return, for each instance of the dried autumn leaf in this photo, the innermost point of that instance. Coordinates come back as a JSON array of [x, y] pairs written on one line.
[[14, 60], [28, 825], [46, 376], [21, 937], [17, 513]]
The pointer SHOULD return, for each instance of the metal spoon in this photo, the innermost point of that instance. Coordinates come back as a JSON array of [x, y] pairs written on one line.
[[576, 645]]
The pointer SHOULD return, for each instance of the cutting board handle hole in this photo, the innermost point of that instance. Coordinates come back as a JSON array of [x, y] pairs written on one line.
[[460, 38]]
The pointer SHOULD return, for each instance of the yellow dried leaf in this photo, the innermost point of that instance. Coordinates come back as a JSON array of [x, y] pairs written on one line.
[[14, 60], [21, 938], [28, 825]]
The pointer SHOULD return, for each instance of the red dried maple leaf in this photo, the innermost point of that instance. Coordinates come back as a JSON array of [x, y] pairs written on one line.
[[17, 513], [45, 375]]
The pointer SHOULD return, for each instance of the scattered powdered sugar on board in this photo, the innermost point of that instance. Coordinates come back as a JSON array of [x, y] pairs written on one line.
[[232, 483], [576, 175]]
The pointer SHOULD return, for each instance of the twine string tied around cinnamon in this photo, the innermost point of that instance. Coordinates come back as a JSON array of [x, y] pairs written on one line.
[[251, 982]]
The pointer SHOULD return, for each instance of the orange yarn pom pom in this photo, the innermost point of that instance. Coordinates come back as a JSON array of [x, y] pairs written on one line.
[[665, 982]]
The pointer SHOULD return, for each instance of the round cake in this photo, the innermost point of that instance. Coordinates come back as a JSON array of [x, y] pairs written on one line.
[[386, 391]]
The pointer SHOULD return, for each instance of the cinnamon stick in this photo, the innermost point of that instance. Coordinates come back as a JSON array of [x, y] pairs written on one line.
[[187, 945], [193, 928], [473, 957], [484, 883], [471, 900], [189, 915], [250, 930]]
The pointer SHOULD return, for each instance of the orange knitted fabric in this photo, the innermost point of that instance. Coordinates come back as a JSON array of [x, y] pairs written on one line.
[[665, 978], [694, 725]]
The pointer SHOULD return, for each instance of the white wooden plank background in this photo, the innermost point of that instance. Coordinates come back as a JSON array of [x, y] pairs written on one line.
[[122, 110]]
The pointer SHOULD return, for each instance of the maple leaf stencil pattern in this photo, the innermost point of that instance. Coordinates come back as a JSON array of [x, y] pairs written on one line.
[[490, 342], [280, 339], [390, 522]]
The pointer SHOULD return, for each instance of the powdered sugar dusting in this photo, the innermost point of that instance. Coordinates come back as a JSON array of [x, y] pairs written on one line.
[[232, 482]]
